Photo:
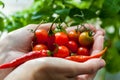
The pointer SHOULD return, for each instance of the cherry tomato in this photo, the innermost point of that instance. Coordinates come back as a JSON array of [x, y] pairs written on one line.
[[41, 35], [61, 38], [73, 35], [83, 51], [39, 47], [61, 51], [85, 39], [72, 46]]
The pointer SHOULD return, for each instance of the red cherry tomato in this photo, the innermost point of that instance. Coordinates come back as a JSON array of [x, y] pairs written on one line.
[[41, 35], [39, 47], [85, 39], [72, 46], [73, 35], [83, 51], [61, 51], [61, 38]]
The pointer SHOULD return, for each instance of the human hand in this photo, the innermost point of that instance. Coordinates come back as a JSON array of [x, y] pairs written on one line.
[[25, 43], [17, 43], [51, 68]]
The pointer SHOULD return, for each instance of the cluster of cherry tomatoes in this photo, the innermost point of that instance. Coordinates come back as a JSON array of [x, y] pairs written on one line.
[[62, 43]]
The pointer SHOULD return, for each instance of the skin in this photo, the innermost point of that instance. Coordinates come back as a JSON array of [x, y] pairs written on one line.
[[18, 42]]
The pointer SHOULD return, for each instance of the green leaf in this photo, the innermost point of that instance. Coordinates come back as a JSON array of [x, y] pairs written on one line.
[[112, 59], [1, 24], [2, 4], [81, 4], [117, 46], [97, 3], [110, 8], [63, 13], [82, 14]]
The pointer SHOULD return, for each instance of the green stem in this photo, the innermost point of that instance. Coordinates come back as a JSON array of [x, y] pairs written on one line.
[[51, 31]]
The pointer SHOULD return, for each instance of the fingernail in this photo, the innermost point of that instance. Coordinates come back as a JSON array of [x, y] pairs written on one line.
[[102, 63]]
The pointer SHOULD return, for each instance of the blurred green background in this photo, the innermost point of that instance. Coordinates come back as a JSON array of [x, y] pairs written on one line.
[[101, 13]]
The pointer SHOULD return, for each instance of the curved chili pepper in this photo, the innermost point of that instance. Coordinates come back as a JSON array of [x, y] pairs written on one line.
[[24, 58], [44, 53], [79, 58]]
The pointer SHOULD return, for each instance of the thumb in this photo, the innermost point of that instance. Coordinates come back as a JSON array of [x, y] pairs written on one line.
[[88, 67]]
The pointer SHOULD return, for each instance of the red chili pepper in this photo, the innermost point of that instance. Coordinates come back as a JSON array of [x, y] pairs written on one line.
[[24, 58], [79, 58]]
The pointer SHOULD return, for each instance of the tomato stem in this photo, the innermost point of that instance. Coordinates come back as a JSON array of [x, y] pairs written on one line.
[[51, 32], [90, 33], [49, 53], [77, 30]]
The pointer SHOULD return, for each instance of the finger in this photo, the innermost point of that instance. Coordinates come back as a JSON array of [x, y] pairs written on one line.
[[91, 66], [98, 44], [66, 68], [91, 76], [90, 26], [85, 77], [69, 68], [28, 30], [99, 32], [98, 41], [45, 26]]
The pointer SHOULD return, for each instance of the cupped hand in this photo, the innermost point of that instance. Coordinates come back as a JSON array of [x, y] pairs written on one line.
[[18, 42], [50, 68]]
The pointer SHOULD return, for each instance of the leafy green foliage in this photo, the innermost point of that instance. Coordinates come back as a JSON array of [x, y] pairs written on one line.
[[111, 8], [112, 60], [2, 4], [75, 12], [1, 24], [81, 14]]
